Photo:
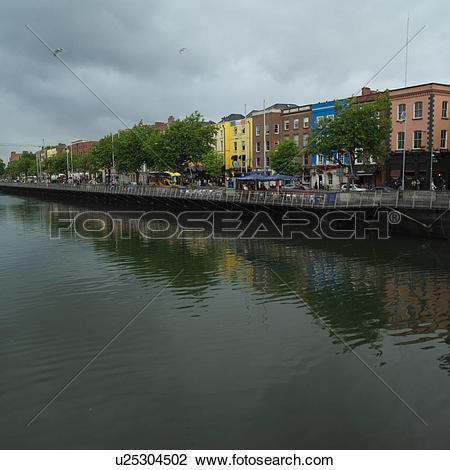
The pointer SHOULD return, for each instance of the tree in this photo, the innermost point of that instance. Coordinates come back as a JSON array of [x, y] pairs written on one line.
[[13, 169], [27, 164], [359, 131], [102, 152], [55, 165], [2, 167], [86, 163], [284, 160], [212, 163], [135, 147], [186, 140]]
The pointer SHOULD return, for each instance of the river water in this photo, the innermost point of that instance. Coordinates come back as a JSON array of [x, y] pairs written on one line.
[[245, 344]]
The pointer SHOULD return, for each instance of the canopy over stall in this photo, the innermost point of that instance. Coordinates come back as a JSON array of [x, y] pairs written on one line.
[[266, 178]]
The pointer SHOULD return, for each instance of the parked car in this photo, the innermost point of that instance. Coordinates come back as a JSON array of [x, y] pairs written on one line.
[[353, 187], [290, 186], [382, 189]]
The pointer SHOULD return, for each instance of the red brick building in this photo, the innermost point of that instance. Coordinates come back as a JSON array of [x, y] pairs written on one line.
[[81, 147], [265, 140], [14, 157], [296, 126]]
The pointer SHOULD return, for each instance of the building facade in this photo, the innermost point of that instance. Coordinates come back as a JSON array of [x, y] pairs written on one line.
[[296, 125], [14, 157], [267, 134], [81, 146], [234, 142], [420, 133], [326, 173]]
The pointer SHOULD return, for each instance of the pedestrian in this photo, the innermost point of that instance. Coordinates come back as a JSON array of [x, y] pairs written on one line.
[[413, 184], [418, 182]]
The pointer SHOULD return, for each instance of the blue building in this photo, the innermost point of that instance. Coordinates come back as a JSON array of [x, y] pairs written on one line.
[[325, 171]]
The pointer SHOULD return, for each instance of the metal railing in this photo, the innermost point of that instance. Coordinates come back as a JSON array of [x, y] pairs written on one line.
[[298, 199]]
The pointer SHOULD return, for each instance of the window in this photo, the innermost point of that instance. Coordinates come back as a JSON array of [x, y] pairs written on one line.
[[331, 117], [221, 133], [235, 131], [235, 146], [257, 130], [267, 129], [243, 145], [221, 145], [305, 122], [417, 140], [267, 162], [296, 138], [258, 161], [267, 145], [320, 160], [286, 125], [418, 110], [305, 140], [401, 112], [443, 139], [276, 128], [330, 179], [243, 129], [445, 109], [258, 146], [319, 119], [305, 160], [400, 140], [295, 126]]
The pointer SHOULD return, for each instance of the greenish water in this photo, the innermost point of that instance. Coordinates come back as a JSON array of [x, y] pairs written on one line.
[[233, 353]]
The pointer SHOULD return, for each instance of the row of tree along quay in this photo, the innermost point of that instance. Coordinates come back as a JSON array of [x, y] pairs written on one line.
[[356, 132]]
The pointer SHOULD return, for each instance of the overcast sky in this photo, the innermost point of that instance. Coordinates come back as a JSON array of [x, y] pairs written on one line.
[[237, 52]]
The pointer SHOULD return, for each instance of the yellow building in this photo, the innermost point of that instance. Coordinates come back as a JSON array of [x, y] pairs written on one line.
[[51, 152], [234, 142]]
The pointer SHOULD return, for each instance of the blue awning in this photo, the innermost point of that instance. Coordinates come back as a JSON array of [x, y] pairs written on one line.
[[266, 178]]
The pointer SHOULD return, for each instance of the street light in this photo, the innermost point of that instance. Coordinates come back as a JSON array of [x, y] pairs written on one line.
[[403, 118], [67, 163], [71, 159], [432, 155]]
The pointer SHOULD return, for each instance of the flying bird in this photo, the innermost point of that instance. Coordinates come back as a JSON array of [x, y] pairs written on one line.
[[57, 51], [182, 50]]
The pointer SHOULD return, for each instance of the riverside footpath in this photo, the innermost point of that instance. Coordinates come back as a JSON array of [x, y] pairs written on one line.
[[417, 213]]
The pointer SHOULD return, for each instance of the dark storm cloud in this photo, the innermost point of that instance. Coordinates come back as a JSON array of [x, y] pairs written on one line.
[[237, 52]]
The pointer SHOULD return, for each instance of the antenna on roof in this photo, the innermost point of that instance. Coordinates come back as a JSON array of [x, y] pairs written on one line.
[[394, 56]]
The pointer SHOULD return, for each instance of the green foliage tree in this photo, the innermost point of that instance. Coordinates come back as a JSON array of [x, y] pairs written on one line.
[[285, 159], [212, 163], [27, 164], [135, 147], [186, 140], [102, 153], [12, 169], [2, 167], [358, 131], [55, 165], [86, 163]]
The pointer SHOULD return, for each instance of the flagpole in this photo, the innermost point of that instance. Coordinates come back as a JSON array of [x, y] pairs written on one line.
[[264, 136], [245, 127]]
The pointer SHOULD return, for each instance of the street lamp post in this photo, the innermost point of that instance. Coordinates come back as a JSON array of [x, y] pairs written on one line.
[[71, 159], [67, 164], [431, 167], [404, 149]]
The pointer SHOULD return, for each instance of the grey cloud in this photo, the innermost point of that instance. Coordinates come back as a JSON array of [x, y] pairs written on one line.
[[237, 52]]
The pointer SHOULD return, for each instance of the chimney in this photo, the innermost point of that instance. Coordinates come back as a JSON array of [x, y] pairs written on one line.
[[365, 91], [170, 119]]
